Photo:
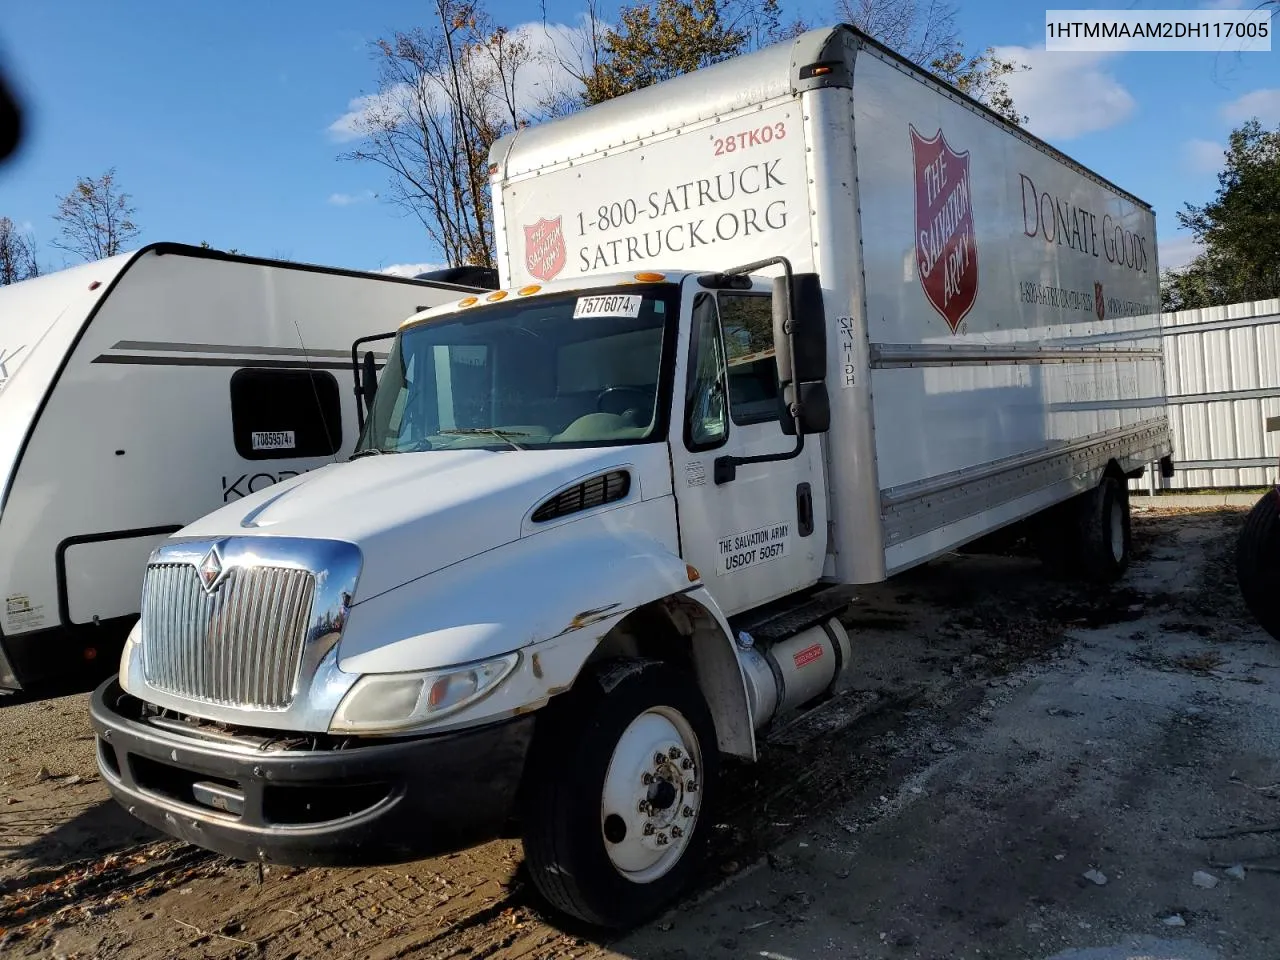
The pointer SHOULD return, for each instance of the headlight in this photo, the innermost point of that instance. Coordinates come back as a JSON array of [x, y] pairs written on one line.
[[394, 701], [132, 645]]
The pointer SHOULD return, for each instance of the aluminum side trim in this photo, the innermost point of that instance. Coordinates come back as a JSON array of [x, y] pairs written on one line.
[[885, 356], [914, 509]]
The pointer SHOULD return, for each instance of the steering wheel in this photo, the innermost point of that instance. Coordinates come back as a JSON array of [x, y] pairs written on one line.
[[645, 396]]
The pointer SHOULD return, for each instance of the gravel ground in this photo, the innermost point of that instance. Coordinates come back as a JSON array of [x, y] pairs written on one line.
[[1017, 768]]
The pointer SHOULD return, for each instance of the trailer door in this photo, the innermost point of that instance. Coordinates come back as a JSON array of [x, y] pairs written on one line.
[[761, 535]]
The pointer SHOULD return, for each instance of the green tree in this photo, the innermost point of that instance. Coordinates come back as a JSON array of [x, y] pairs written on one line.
[[983, 77], [95, 219], [206, 245], [655, 42], [1239, 229]]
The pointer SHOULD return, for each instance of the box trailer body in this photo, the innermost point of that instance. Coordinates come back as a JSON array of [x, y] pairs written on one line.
[[803, 319], [141, 391], [974, 278]]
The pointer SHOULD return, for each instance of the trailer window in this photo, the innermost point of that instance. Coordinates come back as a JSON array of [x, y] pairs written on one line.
[[747, 321], [285, 414]]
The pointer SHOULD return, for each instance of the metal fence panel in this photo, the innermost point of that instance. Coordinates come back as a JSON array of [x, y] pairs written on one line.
[[1222, 370]]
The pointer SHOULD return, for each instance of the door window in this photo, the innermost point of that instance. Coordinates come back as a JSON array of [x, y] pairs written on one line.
[[706, 424], [753, 373]]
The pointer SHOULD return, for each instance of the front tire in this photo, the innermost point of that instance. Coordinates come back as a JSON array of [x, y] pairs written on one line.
[[620, 779]]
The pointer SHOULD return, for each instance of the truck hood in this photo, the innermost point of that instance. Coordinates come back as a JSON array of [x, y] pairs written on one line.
[[412, 514]]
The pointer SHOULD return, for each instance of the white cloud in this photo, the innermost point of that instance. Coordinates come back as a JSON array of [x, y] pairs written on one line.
[[538, 82], [552, 46], [1066, 94], [347, 199], [1203, 156], [410, 269], [1178, 251], [359, 110], [1263, 104]]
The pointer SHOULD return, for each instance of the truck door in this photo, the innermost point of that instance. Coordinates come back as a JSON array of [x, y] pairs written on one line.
[[762, 534]]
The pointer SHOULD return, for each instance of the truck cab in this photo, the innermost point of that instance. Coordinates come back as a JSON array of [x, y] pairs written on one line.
[[561, 495]]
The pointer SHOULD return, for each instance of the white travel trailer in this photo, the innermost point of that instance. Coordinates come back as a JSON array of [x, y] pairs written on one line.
[[141, 391], [806, 317]]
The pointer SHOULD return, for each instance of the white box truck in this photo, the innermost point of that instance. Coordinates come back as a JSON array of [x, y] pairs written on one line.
[[809, 317], [142, 391]]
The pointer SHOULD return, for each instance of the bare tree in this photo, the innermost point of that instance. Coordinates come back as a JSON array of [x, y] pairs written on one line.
[[96, 218], [574, 55], [445, 94], [764, 21], [925, 32], [17, 254], [920, 30]]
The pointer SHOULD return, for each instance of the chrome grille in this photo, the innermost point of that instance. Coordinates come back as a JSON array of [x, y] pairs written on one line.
[[241, 647]]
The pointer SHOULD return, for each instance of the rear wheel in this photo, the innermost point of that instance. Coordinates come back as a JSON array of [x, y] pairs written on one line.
[[619, 782], [1103, 531], [1258, 562], [1088, 536]]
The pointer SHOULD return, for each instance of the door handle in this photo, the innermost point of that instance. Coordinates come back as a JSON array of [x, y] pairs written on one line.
[[804, 509]]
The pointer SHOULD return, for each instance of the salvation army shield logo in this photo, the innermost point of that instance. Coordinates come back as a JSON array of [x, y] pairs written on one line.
[[1099, 304], [544, 251], [946, 242]]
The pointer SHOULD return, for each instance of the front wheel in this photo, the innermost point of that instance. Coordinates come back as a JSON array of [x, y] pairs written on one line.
[[620, 779]]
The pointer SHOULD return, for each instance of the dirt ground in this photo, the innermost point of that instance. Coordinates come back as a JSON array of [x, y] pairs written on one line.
[[1018, 768]]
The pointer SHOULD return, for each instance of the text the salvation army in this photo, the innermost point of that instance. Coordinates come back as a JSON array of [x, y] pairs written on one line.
[[946, 222], [752, 547]]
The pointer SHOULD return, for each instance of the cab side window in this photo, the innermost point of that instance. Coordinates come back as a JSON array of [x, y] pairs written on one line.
[[753, 373], [706, 422]]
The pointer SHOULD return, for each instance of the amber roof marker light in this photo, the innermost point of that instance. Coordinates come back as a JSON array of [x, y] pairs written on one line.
[[816, 70]]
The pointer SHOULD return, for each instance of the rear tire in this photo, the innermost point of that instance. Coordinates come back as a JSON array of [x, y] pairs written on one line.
[[1104, 531], [612, 835], [1089, 536], [1258, 562]]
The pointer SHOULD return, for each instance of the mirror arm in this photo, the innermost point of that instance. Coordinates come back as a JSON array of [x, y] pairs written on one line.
[[725, 469], [355, 373]]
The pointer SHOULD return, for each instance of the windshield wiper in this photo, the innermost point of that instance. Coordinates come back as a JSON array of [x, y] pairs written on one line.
[[368, 452], [503, 435]]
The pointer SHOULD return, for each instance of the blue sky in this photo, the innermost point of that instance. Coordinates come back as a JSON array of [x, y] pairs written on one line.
[[220, 118]]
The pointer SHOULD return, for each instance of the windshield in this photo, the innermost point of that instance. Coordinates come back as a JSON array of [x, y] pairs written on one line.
[[572, 370]]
